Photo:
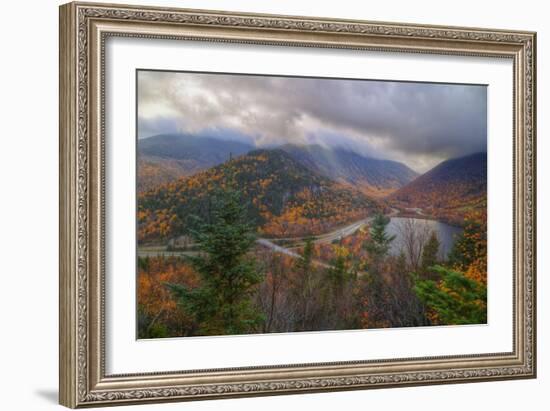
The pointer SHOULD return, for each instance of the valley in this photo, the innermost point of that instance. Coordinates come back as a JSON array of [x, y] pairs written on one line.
[[295, 192], [321, 225], [447, 192]]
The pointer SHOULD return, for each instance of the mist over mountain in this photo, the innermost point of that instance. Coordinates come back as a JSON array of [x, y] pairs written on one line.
[[207, 151], [293, 189], [417, 123], [373, 176], [167, 157]]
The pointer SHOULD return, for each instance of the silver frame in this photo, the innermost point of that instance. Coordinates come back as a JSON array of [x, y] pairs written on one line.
[[84, 28]]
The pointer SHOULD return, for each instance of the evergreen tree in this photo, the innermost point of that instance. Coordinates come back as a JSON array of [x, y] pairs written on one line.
[[465, 248], [379, 243], [455, 299], [222, 303], [338, 275], [469, 252], [302, 288], [375, 291], [341, 307], [143, 263], [303, 265], [430, 253]]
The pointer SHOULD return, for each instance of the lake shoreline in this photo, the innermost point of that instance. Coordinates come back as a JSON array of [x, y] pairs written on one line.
[[421, 216], [445, 232]]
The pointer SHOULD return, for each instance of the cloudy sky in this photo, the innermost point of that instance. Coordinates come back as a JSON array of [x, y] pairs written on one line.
[[419, 124]]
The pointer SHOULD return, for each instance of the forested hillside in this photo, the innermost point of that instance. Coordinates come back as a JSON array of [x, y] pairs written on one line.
[[167, 157], [449, 191], [294, 239], [282, 198]]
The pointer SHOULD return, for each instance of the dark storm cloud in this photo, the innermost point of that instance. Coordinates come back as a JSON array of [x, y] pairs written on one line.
[[417, 123]]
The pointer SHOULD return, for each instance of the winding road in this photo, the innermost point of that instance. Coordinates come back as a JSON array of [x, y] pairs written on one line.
[[326, 238], [271, 243]]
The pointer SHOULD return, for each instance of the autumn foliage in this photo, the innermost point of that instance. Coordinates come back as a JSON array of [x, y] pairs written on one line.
[[459, 296], [159, 315], [225, 282], [449, 191], [282, 198]]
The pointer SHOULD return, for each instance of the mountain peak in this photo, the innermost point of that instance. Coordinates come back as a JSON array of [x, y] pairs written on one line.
[[283, 197], [166, 157], [448, 190]]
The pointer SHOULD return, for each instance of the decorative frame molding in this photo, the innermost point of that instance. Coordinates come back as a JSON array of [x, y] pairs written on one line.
[[83, 30]]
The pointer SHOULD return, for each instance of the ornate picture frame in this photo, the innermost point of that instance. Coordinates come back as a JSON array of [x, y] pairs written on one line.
[[84, 29]]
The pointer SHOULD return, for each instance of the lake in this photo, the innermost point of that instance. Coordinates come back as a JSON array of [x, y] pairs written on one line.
[[445, 233]]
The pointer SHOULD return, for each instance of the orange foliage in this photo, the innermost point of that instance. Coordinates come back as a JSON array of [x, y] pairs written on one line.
[[153, 296], [306, 215], [477, 270], [285, 199]]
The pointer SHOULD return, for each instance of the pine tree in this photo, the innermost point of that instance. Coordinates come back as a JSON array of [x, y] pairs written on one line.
[[341, 307], [143, 263], [469, 252], [455, 299], [376, 298], [303, 265], [222, 304], [302, 288], [338, 275], [464, 250], [430, 253], [379, 243]]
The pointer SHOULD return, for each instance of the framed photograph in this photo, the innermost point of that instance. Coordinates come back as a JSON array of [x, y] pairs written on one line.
[[260, 204]]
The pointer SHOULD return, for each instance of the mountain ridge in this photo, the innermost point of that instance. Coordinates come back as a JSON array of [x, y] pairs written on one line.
[[167, 157], [449, 190], [283, 198]]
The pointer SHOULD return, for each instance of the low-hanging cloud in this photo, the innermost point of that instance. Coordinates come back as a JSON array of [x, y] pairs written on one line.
[[419, 124]]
